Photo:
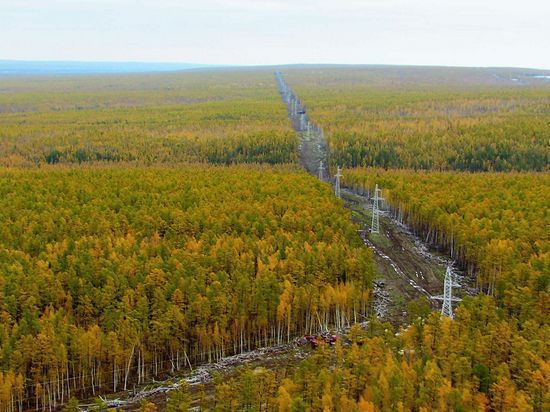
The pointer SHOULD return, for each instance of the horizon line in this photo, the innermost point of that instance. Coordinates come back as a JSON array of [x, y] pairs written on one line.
[[193, 65]]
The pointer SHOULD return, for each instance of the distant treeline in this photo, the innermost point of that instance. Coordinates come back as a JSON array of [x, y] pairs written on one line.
[[455, 120], [197, 117]]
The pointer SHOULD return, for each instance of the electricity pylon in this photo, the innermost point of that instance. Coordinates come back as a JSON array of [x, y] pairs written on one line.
[[302, 121], [447, 308], [337, 191], [321, 170], [375, 225], [447, 298]]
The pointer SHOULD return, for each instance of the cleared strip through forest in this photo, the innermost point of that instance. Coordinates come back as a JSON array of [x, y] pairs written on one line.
[[407, 270], [313, 146]]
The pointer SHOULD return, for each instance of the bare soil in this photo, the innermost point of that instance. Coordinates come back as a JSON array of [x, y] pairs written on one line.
[[407, 269]]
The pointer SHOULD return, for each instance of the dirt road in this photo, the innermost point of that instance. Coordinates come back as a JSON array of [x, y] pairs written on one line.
[[407, 269]]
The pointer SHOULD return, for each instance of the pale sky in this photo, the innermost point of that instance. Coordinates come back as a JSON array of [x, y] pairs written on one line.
[[249, 32]]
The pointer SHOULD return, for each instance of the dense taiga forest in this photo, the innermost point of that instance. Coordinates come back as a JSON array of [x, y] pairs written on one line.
[[429, 118], [219, 117], [494, 354], [110, 275], [151, 223]]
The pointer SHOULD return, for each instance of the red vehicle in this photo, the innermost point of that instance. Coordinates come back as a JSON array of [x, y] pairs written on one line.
[[312, 340], [315, 341]]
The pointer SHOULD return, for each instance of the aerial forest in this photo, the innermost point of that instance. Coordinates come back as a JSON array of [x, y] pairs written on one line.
[[151, 223], [111, 275], [492, 356], [221, 118], [428, 118]]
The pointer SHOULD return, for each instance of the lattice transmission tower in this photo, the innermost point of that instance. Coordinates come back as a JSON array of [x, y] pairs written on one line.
[[303, 120], [338, 176], [448, 298], [375, 225]]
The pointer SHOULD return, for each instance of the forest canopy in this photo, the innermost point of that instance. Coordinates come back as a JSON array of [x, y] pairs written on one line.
[[494, 355], [221, 117], [429, 118], [151, 222], [109, 275]]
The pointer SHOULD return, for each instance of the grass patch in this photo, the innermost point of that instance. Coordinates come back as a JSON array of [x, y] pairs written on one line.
[[380, 240]]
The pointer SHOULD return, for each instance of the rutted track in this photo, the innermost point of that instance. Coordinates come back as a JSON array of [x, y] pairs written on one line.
[[407, 269]]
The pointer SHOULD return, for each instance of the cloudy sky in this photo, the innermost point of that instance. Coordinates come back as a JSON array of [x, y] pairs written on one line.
[[245, 32]]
